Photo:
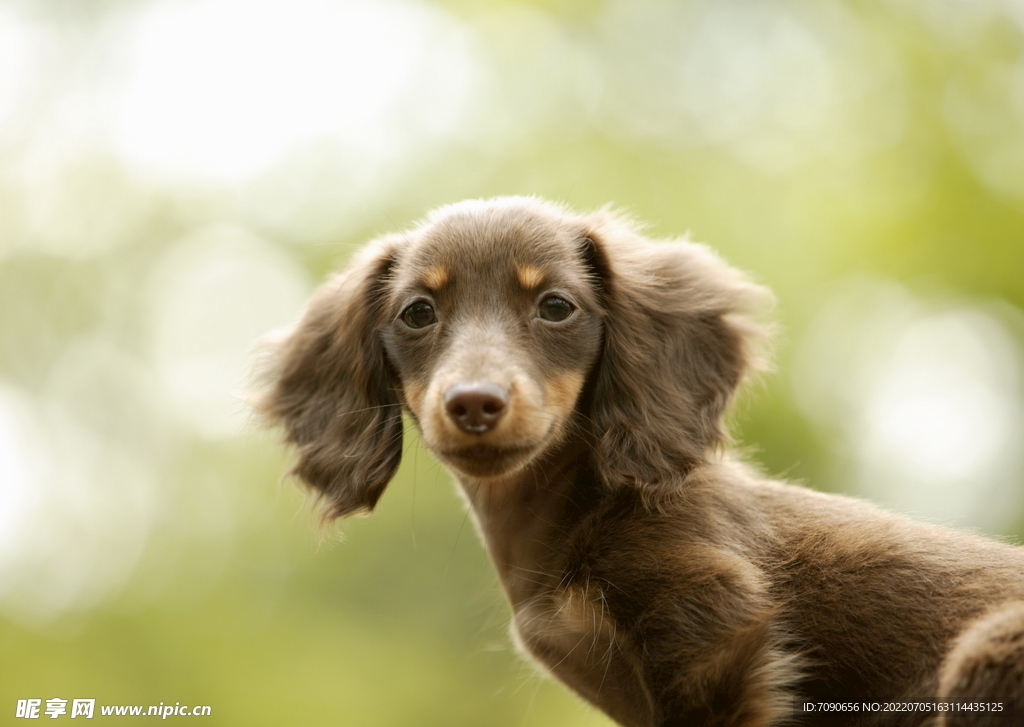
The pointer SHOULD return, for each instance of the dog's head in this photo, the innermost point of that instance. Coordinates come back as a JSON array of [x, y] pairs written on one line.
[[505, 327]]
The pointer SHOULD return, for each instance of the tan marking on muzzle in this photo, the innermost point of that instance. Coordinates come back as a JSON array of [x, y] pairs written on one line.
[[561, 392], [414, 394], [522, 422]]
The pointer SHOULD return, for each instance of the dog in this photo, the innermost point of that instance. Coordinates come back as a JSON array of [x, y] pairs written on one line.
[[573, 376]]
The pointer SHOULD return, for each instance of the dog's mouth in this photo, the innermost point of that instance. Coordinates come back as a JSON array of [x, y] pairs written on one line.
[[487, 460]]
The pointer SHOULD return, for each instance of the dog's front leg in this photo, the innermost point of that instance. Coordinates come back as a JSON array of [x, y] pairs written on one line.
[[703, 631]]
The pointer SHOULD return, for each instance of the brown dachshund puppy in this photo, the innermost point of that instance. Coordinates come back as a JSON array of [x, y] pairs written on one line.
[[573, 376]]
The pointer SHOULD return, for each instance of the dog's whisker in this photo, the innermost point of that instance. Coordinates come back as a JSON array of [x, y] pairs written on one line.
[[353, 412]]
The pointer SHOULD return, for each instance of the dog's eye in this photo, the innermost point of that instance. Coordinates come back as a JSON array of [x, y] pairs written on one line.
[[554, 308], [419, 315]]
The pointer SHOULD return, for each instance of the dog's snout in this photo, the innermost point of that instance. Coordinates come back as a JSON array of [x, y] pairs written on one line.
[[476, 407]]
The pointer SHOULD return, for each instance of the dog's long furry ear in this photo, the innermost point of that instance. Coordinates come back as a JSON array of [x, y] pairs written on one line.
[[679, 337], [328, 384]]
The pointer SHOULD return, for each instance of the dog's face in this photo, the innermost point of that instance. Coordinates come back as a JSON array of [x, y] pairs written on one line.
[[506, 327], [493, 330]]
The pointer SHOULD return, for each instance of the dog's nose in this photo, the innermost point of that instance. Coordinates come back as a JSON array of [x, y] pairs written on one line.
[[476, 407]]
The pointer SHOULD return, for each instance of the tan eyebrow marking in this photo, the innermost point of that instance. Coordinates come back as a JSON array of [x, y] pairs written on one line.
[[529, 275], [436, 277]]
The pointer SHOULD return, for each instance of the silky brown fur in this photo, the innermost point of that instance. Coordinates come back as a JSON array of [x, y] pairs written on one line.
[[659, 578]]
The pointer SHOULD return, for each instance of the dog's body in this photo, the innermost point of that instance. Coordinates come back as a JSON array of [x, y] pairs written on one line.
[[573, 376]]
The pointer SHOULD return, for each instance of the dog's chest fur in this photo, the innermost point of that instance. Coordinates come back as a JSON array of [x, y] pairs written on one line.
[[571, 632], [541, 540]]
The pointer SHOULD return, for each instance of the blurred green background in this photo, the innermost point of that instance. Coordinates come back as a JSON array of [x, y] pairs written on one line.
[[175, 177]]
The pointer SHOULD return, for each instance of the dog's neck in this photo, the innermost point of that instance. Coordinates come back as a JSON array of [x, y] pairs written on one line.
[[525, 518]]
